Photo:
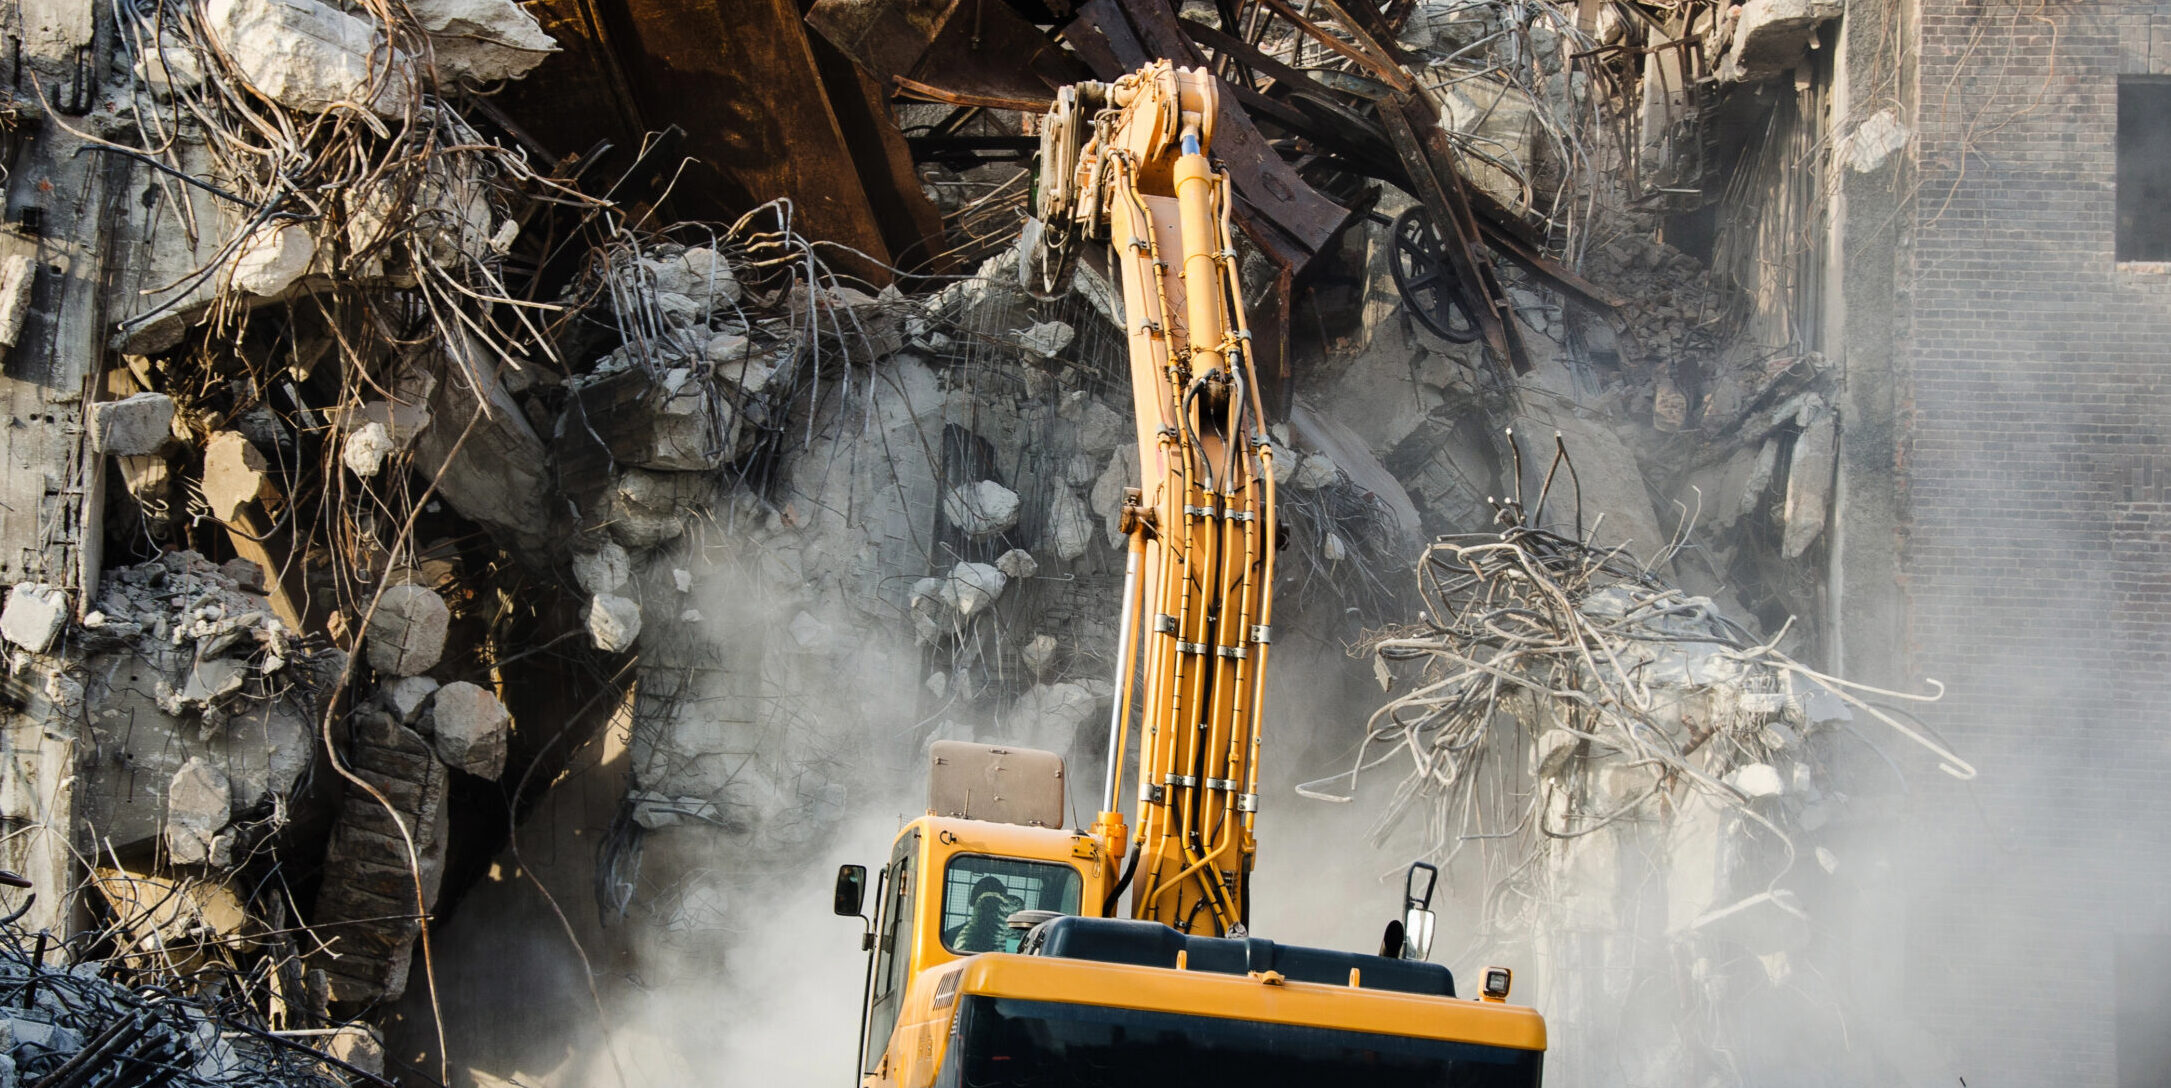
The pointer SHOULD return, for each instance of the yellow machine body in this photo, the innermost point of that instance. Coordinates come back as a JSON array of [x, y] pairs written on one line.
[[1003, 954]]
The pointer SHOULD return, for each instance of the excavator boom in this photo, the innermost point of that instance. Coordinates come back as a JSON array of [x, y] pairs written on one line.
[[1127, 163]]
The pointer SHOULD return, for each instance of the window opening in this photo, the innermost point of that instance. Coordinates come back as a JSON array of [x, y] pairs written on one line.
[[2144, 169]]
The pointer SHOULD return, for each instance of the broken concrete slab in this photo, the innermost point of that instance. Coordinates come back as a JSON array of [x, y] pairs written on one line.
[[358, 1046], [469, 728], [199, 801], [309, 56], [1809, 481], [35, 615], [614, 622], [406, 634], [983, 508], [497, 475], [370, 887], [1771, 36], [484, 41], [134, 425]]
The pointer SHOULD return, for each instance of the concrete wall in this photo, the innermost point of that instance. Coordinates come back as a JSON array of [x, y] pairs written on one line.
[[2030, 403]]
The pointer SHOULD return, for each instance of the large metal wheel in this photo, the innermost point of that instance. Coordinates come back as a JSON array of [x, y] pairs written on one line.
[[1429, 286]]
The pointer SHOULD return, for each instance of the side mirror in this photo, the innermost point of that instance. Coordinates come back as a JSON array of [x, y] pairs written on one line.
[[851, 890], [1417, 934], [1417, 919]]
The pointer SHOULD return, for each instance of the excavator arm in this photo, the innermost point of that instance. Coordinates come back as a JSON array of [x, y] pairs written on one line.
[[1127, 163]]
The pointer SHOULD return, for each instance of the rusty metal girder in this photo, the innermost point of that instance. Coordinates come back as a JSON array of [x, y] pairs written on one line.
[[967, 48]]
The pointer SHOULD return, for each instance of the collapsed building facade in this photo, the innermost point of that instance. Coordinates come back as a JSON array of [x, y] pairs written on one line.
[[499, 490]]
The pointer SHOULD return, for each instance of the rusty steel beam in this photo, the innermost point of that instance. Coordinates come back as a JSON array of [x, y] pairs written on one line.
[[970, 48]]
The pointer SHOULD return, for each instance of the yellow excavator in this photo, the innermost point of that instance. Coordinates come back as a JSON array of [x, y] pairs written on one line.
[[1001, 950]]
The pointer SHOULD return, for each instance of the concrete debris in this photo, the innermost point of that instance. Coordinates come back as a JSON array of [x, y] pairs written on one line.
[[369, 891], [357, 1045], [1756, 780], [17, 276], [1046, 338], [972, 587], [365, 449], [199, 801], [981, 509], [699, 273], [235, 476], [1809, 481], [1875, 140], [270, 260], [1047, 716], [35, 615], [1039, 654], [309, 56], [614, 622], [483, 41], [1770, 37], [682, 580], [406, 696], [133, 425], [602, 570], [1317, 470], [406, 633], [469, 728], [1017, 563], [1070, 524]]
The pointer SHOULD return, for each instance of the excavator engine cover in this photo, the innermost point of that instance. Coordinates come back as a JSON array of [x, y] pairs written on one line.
[[994, 783]]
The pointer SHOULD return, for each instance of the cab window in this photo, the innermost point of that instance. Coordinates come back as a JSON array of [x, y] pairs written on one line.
[[980, 893]]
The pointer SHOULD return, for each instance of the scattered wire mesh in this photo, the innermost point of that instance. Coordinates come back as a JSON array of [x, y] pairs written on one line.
[[1556, 688], [80, 1019]]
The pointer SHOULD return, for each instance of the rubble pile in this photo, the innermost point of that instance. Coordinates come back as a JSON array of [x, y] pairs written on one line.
[[70, 1019]]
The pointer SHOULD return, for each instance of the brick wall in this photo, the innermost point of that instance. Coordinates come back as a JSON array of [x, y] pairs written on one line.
[[2037, 521]]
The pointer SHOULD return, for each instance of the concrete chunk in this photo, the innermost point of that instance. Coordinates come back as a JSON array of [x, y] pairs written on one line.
[[972, 587], [1771, 36], [470, 729], [131, 425], [35, 614], [271, 260], [1017, 563], [1070, 524], [407, 633], [613, 622], [198, 802], [602, 570], [365, 449], [234, 475], [309, 56], [406, 696], [17, 276], [482, 40], [981, 509], [1809, 483]]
